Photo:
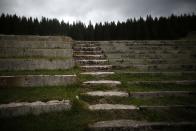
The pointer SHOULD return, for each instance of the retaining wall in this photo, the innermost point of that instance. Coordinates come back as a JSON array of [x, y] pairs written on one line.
[[37, 80]]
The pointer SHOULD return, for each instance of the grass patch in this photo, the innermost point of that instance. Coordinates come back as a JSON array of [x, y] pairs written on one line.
[[188, 100], [38, 93], [158, 87], [78, 118], [150, 77]]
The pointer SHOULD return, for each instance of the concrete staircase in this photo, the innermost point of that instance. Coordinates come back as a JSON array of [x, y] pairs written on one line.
[[95, 62], [92, 61]]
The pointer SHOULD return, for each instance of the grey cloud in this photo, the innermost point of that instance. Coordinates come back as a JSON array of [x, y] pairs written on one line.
[[96, 10]]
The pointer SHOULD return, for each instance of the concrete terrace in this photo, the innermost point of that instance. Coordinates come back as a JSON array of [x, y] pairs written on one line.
[[96, 85]]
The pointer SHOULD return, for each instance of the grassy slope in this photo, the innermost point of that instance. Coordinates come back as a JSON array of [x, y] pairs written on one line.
[[79, 116]]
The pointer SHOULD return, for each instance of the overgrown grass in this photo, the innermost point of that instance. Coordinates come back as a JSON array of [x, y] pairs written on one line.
[[78, 118], [159, 101], [150, 77], [38, 93], [158, 87]]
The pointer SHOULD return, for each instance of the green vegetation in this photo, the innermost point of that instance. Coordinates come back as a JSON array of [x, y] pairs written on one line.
[[150, 77], [79, 117], [159, 101], [38, 93]]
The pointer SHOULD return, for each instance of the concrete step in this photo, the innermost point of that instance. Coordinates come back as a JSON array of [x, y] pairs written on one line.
[[107, 93], [93, 48], [85, 44], [181, 82], [150, 56], [170, 107], [161, 94], [130, 125], [92, 62], [112, 107], [129, 61], [156, 72], [96, 67], [97, 73], [89, 56], [157, 67], [102, 82], [38, 107], [88, 52]]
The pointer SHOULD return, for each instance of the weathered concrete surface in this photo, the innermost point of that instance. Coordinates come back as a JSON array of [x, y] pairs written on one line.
[[35, 44], [175, 73], [37, 80], [107, 93], [130, 125], [97, 73], [89, 56], [35, 64], [161, 94], [88, 52], [36, 108], [96, 67], [169, 107], [151, 55], [27, 52], [91, 62], [112, 107], [110, 83], [18, 52], [35, 38], [183, 82]]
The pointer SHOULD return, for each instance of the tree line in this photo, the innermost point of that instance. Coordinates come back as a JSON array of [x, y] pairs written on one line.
[[172, 27]]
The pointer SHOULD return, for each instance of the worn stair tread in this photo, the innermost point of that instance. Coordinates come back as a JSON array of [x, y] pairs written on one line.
[[102, 82], [157, 72], [167, 107], [107, 93], [97, 73], [38, 107], [89, 55], [96, 67], [87, 52], [133, 125], [94, 60], [161, 93], [112, 107]]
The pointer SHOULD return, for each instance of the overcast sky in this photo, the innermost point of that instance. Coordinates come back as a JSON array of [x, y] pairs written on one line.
[[96, 10]]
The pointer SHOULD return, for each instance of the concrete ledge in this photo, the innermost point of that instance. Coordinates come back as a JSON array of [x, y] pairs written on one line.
[[180, 82], [96, 67], [130, 125], [110, 83], [97, 73], [112, 107], [170, 107], [35, 38], [161, 94], [35, 44], [27, 52], [107, 93], [37, 80], [35, 64], [36, 108]]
